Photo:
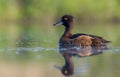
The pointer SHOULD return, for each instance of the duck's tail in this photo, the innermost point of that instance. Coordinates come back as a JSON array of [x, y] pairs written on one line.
[[106, 41]]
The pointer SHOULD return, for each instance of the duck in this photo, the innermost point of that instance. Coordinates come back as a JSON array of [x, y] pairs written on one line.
[[79, 39]]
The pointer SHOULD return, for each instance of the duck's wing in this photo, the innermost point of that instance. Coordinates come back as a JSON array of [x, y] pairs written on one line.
[[95, 39], [81, 39]]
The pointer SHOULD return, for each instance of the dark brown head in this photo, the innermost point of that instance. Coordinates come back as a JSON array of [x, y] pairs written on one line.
[[65, 20]]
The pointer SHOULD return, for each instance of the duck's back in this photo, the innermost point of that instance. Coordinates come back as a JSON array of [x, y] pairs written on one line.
[[81, 39], [96, 40]]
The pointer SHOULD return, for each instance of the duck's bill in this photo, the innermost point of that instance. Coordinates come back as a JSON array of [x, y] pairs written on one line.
[[58, 23]]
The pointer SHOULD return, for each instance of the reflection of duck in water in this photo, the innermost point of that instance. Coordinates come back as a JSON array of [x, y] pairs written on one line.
[[69, 40], [82, 51], [68, 68]]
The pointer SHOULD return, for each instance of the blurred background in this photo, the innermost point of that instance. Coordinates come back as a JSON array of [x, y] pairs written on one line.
[[29, 41]]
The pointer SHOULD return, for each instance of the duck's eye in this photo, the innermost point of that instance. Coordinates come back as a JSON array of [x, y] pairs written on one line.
[[65, 18]]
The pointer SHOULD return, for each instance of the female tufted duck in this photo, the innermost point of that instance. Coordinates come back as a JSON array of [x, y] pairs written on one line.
[[79, 39]]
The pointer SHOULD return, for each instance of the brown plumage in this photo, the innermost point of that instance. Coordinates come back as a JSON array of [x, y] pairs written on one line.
[[79, 39], [83, 40]]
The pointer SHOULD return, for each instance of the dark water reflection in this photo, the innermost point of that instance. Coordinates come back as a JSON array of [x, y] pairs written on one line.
[[68, 53], [76, 62]]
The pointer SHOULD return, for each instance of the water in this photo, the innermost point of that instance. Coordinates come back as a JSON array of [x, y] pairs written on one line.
[[32, 51], [37, 61]]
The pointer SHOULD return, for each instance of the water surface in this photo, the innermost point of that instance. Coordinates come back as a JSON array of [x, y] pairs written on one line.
[[32, 51]]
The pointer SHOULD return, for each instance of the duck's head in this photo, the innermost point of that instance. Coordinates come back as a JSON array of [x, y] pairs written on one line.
[[65, 20]]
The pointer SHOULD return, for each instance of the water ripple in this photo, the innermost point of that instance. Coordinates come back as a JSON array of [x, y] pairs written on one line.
[[114, 50], [34, 49], [37, 49]]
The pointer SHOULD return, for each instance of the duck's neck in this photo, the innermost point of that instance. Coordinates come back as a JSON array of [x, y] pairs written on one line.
[[68, 30]]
